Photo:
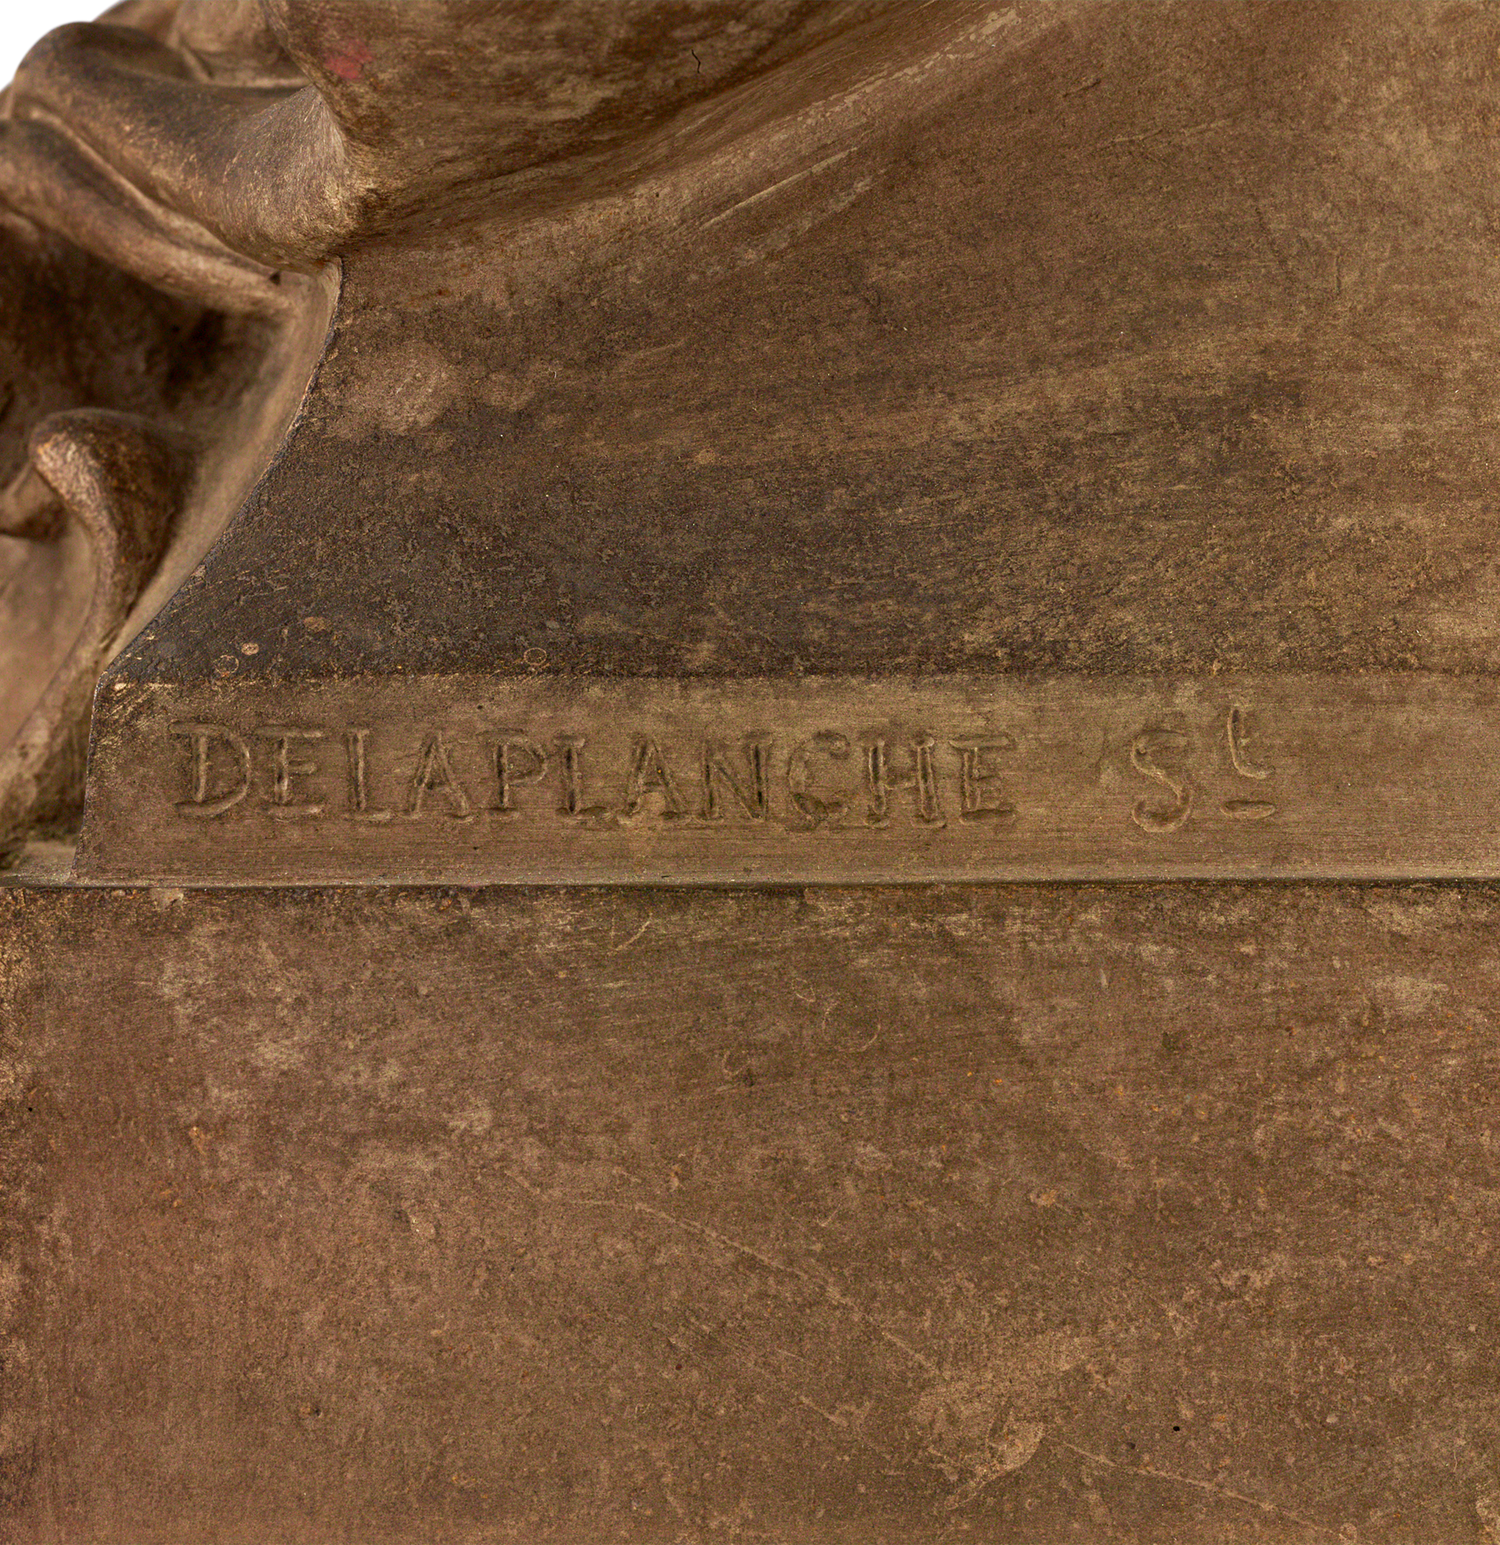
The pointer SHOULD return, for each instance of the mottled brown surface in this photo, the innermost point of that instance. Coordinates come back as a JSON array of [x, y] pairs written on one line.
[[1099, 339], [1146, 1214], [1113, 338]]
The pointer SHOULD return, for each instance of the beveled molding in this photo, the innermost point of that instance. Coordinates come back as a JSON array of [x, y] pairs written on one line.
[[552, 780]]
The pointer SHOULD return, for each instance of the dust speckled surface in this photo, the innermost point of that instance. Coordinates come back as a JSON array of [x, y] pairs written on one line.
[[1147, 1214], [1088, 338]]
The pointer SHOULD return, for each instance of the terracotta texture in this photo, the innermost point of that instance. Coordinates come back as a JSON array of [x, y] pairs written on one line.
[[577, 356], [1145, 1214]]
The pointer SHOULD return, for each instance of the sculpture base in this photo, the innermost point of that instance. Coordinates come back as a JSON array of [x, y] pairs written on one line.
[[471, 780], [1150, 1213]]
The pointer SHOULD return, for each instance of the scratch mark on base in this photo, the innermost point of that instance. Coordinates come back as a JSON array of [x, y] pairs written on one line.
[[830, 1289], [844, 1427], [755, 198], [827, 1286], [616, 948], [748, 1358], [1150, 134], [1225, 1492]]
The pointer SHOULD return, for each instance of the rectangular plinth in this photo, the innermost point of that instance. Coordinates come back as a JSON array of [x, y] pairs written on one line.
[[1134, 1215], [476, 779]]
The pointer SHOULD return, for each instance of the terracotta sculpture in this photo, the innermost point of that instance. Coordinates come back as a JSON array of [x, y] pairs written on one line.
[[175, 181], [594, 543]]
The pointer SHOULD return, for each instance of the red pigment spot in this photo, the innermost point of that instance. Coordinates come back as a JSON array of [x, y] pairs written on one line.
[[349, 59]]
